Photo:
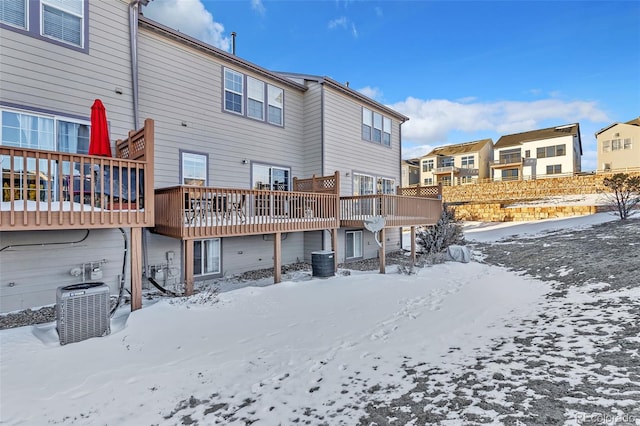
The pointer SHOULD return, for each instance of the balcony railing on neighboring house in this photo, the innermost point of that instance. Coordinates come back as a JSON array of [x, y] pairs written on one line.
[[446, 169], [507, 160], [60, 190], [194, 212]]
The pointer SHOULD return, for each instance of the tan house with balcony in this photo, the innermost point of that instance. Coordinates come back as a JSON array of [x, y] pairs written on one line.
[[619, 147], [410, 170], [550, 152], [457, 164], [240, 168]]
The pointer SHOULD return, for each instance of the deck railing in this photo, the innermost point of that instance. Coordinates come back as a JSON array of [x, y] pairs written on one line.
[[59, 190], [398, 210], [190, 212]]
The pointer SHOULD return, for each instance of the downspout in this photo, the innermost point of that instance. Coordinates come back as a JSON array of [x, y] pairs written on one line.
[[134, 11]]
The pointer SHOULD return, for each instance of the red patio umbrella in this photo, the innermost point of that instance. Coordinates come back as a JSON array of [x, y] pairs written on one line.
[[99, 143]]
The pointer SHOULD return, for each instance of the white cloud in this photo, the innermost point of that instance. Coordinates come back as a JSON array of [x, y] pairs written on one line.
[[189, 17], [258, 6], [371, 92], [338, 22], [432, 120], [354, 30]]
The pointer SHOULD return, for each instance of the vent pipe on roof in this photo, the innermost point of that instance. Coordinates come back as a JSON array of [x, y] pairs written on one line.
[[233, 42]]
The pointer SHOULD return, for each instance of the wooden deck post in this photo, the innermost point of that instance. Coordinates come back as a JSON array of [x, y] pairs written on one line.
[[413, 245], [188, 267], [277, 257], [136, 268], [382, 256], [334, 247]]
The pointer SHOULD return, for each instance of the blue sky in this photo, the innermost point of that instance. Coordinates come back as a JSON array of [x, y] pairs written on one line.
[[460, 70]]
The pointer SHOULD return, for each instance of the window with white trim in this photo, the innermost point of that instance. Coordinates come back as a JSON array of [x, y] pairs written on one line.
[[46, 132], [606, 146], [554, 169], [206, 257], [427, 181], [376, 127], [255, 98], [194, 168], [468, 162], [616, 144], [233, 91], [353, 241], [276, 105], [273, 178], [62, 21], [427, 165], [14, 12], [627, 143], [386, 186]]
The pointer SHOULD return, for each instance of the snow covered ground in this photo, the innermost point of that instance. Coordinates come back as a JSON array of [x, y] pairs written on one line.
[[452, 344]]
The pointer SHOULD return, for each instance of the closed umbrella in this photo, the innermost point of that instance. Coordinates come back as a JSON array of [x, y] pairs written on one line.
[[99, 141]]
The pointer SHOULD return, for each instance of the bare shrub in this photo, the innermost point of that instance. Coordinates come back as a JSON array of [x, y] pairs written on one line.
[[625, 193]]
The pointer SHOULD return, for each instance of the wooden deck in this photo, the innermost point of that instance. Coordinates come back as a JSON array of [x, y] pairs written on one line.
[[397, 210], [193, 212], [48, 190]]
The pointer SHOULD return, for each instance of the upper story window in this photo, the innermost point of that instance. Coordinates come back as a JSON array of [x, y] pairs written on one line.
[[256, 96], [447, 162], [627, 143], [427, 165], [468, 162], [61, 21], [551, 151], [376, 127], [14, 12], [606, 146], [616, 144]]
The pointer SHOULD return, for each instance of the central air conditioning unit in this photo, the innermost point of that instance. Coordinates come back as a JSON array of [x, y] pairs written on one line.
[[82, 312]]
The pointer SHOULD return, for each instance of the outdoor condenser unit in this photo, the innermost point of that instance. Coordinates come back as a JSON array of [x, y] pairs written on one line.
[[82, 311]]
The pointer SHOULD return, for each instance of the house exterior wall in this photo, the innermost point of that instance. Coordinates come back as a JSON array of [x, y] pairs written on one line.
[[33, 264], [345, 149], [182, 84], [620, 159], [485, 156], [36, 74], [37, 78]]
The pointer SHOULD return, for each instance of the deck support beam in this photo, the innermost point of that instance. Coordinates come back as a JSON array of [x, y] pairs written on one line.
[[188, 267], [136, 268], [277, 257], [382, 254], [413, 245], [334, 247]]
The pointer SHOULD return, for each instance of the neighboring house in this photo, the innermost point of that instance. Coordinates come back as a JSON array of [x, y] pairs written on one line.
[[251, 168], [553, 151], [410, 172], [457, 164], [619, 146]]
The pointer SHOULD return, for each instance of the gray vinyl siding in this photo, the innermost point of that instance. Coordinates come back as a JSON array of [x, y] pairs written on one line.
[[34, 264], [40, 75], [313, 132], [179, 84], [344, 148], [43, 77]]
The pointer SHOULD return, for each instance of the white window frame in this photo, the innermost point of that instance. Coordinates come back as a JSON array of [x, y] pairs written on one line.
[[269, 182], [275, 105], [189, 165], [616, 144], [64, 7], [627, 143], [468, 162], [356, 244], [233, 79], [255, 98], [606, 146], [427, 181], [427, 165], [25, 15], [376, 127], [386, 186], [203, 251]]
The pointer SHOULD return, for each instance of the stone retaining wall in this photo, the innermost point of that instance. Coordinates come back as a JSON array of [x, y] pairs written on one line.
[[490, 201], [497, 212], [525, 189]]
